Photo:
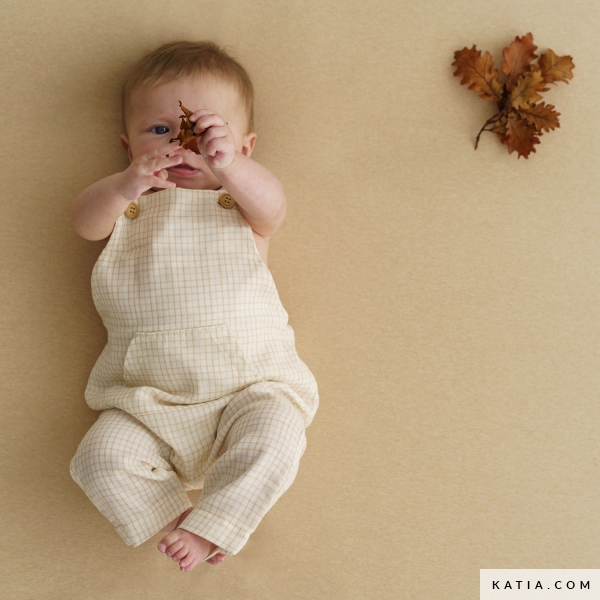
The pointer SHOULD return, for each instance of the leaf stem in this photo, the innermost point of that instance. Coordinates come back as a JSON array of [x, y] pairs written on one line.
[[491, 120]]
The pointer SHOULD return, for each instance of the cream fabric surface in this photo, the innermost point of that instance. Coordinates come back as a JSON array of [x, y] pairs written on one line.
[[445, 298], [200, 382]]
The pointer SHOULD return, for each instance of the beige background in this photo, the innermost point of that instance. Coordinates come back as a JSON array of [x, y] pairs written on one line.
[[446, 299]]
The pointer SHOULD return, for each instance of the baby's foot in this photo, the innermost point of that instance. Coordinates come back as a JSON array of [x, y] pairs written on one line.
[[216, 559], [174, 524], [188, 549]]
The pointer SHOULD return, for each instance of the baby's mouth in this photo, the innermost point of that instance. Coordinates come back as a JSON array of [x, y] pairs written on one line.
[[183, 169]]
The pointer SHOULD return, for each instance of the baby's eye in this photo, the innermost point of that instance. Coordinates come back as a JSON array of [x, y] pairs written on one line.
[[166, 129]]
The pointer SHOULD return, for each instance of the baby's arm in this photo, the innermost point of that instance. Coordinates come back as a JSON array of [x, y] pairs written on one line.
[[258, 193], [99, 206]]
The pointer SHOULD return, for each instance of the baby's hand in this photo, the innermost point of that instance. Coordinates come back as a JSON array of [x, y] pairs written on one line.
[[216, 144], [149, 170]]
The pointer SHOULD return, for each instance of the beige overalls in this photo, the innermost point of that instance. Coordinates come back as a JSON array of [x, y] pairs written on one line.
[[199, 384]]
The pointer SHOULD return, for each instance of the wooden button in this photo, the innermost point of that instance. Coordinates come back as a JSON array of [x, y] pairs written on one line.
[[226, 201], [132, 211]]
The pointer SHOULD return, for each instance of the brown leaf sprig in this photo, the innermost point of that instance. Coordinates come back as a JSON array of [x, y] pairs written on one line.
[[520, 119], [187, 136]]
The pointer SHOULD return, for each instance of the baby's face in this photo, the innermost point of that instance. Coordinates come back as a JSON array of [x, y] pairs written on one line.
[[153, 120]]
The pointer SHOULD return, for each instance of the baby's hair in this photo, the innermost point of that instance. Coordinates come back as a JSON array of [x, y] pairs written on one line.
[[182, 59]]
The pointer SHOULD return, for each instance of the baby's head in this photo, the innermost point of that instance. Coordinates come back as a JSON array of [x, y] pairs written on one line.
[[200, 75]]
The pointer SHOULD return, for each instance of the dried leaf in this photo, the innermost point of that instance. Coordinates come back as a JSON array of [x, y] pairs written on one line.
[[525, 92], [542, 116], [519, 122], [517, 58], [520, 136], [556, 68], [187, 136], [479, 72]]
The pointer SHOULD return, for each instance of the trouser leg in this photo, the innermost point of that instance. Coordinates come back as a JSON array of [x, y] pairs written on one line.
[[124, 469], [260, 440]]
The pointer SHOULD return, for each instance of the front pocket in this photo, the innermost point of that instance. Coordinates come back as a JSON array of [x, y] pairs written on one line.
[[196, 364]]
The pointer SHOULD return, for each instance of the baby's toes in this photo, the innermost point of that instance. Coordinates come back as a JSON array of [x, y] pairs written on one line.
[[189, 562], [174, 547], [181, 553], [216, 559]]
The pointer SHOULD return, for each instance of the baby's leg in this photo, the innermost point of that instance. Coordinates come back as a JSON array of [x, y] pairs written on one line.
[[124, 469], [260, 440], [175, 522]]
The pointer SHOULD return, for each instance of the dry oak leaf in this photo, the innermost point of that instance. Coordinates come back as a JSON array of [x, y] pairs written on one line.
[[479, 72], [517, 58], [519, 121], [520, 136], [556, 68], [541, 116], [187, 136], [525, 92]]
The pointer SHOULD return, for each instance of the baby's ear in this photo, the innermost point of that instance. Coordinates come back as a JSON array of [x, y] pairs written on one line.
[[248, 143], [125, 143]]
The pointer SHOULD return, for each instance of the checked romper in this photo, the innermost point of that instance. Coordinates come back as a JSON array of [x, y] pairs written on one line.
[[199, 384]]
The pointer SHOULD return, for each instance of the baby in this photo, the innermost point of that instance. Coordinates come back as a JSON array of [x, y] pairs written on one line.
[[199, 384]]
